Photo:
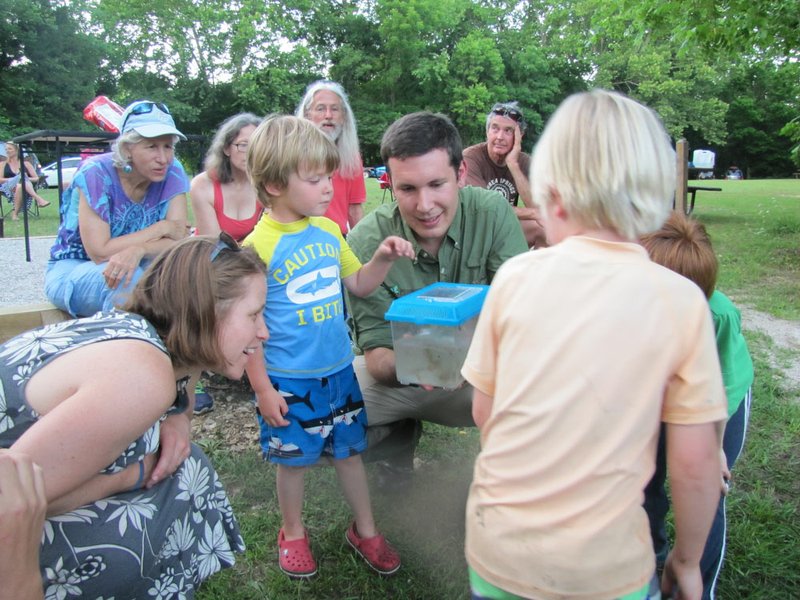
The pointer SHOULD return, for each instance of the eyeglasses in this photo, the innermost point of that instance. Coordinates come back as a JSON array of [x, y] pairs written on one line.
[[142, 109], [322, 109], [512, 113], [241, 146], [225, 242]]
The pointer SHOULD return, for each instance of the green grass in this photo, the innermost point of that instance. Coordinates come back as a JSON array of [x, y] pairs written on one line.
[[46, 223], [755, 226], [425, 523], [763, 506], [756, 230]]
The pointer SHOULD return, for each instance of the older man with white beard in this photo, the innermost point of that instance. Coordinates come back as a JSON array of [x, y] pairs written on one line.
[[325, 104]]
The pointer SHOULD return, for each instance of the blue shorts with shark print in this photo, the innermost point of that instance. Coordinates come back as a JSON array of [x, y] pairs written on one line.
[[326, 417]]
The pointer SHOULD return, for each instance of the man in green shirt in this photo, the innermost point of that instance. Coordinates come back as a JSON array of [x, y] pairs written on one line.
[[460, 234]]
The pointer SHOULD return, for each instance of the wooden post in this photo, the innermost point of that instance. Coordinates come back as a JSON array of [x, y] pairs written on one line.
[[682, 172]]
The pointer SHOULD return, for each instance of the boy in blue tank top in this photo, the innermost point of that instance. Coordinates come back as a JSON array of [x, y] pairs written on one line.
[[308, 398]]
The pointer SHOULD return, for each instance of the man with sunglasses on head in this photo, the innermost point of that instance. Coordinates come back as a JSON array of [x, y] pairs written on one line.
[[325, 104], [499, 164]]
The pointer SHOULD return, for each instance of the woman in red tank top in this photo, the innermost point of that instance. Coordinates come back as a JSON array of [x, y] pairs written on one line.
[[222, 197]]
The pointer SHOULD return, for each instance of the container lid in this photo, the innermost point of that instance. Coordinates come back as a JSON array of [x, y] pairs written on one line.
[[439, 304]]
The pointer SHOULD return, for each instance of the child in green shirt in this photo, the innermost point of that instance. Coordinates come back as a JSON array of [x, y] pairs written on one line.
[[683, 246]]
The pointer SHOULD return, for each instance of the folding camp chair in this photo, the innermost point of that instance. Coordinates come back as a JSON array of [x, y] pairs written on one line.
[[386, 186], [7, 195]]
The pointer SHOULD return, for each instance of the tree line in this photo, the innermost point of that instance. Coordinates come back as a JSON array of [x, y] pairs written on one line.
[[724, 74]]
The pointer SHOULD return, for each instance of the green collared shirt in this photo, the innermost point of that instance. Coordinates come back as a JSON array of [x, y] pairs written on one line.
[[484, 233]]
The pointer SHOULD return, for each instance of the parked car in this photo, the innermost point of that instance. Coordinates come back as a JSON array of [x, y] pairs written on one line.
[[38, 183], [734, 173], [376, 172], [69, 164]]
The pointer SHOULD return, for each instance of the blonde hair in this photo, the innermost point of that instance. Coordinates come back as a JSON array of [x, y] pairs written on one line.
[[185, 294], [281, 146], [610, 160]]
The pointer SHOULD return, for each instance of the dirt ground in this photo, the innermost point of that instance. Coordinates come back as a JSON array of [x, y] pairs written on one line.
[[785, 335], [233, 425]]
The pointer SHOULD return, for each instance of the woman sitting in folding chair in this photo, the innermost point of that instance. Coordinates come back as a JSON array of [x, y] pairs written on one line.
[[10, 179]]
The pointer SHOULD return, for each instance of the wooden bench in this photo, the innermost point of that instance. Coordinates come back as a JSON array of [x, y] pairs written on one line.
[[16, 319]]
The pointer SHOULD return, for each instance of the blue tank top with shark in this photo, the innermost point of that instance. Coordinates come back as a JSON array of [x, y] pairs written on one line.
[[306, 261]]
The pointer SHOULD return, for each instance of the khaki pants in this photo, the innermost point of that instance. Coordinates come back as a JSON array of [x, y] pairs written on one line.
[[393, 414]]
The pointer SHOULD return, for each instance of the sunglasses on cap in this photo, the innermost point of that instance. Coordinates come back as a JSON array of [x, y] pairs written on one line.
[[143, 108], [503, 110], [225, 242]]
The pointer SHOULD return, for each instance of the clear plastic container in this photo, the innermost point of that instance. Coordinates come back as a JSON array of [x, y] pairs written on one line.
[[432, 329]]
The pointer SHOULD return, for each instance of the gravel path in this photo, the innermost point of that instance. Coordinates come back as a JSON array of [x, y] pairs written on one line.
[[785, 336], [22, 282]]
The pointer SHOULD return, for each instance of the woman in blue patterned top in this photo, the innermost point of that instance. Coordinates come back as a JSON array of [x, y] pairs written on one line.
[[120, 211], [100, 404]]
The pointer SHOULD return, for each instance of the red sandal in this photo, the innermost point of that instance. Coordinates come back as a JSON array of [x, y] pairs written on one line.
[[376, 551], [295, 557]]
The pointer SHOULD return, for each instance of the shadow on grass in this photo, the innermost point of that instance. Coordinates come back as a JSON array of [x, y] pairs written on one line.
[[425, 522]]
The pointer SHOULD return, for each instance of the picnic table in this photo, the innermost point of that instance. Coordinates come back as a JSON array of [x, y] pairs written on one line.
[[692, 190]]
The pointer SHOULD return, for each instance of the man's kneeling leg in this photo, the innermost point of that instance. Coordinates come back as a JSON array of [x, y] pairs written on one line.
[[392, 447]]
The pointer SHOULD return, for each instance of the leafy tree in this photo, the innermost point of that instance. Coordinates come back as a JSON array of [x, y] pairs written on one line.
[[792, 131], [537, 81], [453, 56], [373, 119], [763, 98], [616, 51], [277, 87], [724, 27], [477, 75], [702, 67], [47, 65], [211, 40]]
